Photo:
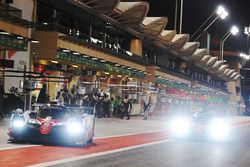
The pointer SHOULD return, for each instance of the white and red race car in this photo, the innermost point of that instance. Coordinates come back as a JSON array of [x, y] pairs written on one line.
[[54, 124]]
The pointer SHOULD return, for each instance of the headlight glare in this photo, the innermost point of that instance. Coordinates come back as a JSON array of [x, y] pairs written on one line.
[[18, 123], [219, 129], [74, 127], [180, 126]]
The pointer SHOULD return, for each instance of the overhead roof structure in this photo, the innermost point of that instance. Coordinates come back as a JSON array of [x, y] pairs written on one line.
[[211, 61], [226, 71], [178, 41], [167, 36], [236, 77], [100, 5], [131, 13], [189, 48], [153, 26], [233, 75], [222, 69], [231, 71], [198, 54], [205, 59], [133, 16], [217, 65]]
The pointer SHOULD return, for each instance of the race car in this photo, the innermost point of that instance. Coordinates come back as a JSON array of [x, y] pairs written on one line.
[[201, 125], [53, 123]]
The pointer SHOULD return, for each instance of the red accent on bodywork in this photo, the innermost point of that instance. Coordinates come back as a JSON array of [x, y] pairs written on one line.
[[47, 125]]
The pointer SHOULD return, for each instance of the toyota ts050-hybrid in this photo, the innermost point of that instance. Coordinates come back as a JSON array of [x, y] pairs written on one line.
[[53, 123]]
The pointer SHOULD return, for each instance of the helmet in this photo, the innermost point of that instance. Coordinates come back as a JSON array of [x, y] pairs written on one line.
[[19, 111]]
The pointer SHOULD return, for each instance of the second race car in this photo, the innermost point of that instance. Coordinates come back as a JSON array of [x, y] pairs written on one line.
[[201, 125]]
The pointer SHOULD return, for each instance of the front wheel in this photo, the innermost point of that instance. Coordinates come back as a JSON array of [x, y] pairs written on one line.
[[15, 140]]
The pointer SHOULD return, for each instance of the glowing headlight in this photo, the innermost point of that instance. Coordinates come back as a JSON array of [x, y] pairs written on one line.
[[219, 129], [74, 127], [180, 126], [18, 123]]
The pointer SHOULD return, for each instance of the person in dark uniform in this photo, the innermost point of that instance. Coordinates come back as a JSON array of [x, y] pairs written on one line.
[[43, 97], [106, 106], [1, 102], [99, 108], [66, 96], [126, 107], [147, 105]]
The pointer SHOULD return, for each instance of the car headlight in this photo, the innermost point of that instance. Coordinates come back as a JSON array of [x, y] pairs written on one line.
[[180, 126], [219, 129], [18, 123], [74, 127]]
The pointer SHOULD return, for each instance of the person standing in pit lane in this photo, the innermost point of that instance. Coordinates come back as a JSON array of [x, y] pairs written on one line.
[[126, 107], [146, 106], [117, 106], [1, 102]]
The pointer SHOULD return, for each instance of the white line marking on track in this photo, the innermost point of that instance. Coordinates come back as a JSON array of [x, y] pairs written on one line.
[[244, 125], [131, 134], [57, 162], [16, 147]]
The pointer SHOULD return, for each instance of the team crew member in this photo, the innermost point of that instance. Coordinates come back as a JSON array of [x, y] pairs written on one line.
[[126, 107]]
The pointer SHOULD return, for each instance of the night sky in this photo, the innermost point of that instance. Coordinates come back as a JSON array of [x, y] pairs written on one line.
[[197, 11]]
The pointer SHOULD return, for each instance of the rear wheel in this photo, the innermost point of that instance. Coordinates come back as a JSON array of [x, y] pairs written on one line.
[[13, 140]]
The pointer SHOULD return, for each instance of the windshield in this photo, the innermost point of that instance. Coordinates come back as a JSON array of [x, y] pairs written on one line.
[[203, 117], [54, 113]]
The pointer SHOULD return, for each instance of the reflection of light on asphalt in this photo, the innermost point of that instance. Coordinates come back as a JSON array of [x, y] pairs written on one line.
[[217, 156], [217, 151]]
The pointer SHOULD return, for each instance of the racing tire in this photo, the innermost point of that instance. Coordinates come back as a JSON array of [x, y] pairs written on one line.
[[13, 140], [16, 141]]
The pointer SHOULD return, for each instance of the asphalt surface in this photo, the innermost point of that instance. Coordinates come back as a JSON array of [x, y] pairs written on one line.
[[104, 127], [130, 143], [198, 153]]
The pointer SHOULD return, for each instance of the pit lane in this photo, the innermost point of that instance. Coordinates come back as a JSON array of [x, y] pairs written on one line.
[[127, 136], [236, 152]]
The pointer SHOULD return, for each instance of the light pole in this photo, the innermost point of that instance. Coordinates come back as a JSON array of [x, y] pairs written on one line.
[[176, 14], [181, 16], [220, 12], [233, 31], [247, 32]]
